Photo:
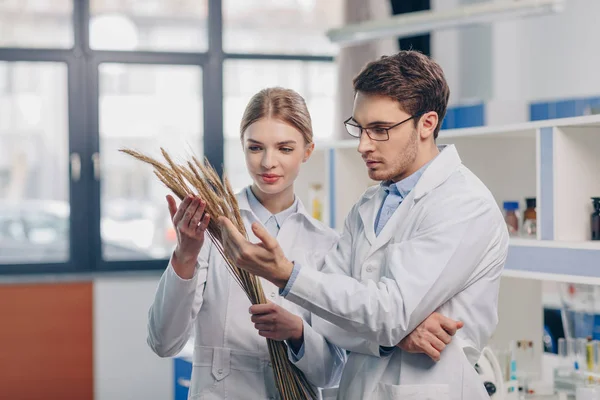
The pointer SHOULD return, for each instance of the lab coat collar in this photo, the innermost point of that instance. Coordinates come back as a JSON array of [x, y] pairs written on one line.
[[244, 205], [438, 171]]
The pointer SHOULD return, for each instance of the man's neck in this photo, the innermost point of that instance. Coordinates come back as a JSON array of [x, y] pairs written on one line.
[[423, 158]]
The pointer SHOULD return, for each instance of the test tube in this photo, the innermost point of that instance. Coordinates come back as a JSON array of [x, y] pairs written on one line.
[[572, 353]]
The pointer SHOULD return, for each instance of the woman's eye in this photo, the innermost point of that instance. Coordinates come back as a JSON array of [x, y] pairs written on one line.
[[254, 148], [287, 149]]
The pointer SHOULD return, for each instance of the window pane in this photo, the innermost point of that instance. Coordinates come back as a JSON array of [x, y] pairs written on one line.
[[158, 25], [315, 81], [280, 26], [143, 107], [36, 23], [34, 153]]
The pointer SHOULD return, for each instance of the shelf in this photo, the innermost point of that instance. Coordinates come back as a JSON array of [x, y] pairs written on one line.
[[573, 245], [562, 261]]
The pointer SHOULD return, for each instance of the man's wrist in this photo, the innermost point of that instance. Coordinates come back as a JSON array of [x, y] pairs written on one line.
[[283, 274]]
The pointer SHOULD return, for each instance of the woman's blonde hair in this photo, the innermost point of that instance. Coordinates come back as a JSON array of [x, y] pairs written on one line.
[[285, 105]]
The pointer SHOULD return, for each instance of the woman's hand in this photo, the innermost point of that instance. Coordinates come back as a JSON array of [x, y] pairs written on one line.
[[275, 322], [190, 223]]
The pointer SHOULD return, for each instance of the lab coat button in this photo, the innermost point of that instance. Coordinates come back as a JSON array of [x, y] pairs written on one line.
[[273, 294], [220, 372], [270, 365], [369, 269]]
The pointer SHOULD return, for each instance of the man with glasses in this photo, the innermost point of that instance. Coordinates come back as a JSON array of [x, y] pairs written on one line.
[[429, 238]]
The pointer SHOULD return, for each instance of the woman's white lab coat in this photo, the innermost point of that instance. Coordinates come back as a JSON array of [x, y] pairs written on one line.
[[443, 249], [231, 361]]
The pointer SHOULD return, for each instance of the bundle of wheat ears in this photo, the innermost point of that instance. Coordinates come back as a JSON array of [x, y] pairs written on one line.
[[201, 179]]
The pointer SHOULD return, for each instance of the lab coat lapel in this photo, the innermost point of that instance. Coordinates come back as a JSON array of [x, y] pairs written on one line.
[[393, 225], [436, 173], [368, 212]]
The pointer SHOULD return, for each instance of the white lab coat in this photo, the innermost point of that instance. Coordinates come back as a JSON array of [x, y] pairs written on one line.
[[442, 250], [231, 361]]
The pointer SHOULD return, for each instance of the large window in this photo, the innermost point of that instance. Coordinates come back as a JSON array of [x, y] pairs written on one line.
[[26, 23], [81, 79], [34, 180], [174, 25], [145, 108], [280, 26]]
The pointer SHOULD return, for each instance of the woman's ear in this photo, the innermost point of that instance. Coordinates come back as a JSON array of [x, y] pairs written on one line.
[[308, 149]]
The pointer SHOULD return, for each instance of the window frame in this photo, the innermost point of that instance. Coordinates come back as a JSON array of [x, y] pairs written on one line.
[[83, 108]]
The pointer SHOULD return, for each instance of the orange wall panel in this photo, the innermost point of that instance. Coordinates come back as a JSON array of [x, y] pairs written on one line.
[[46, 341]]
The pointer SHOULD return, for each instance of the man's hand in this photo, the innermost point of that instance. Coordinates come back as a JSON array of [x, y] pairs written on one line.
[[431, 336], [265, 259], [275, 322]]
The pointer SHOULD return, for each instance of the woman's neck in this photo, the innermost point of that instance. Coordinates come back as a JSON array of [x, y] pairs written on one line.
[[275, 203]]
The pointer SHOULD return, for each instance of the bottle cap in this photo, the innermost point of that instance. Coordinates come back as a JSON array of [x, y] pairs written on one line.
[[511, 205], [531, 202]]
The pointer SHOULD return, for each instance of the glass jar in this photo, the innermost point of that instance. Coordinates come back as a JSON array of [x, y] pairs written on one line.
[[595, 220], [529, 228], [511, 218]]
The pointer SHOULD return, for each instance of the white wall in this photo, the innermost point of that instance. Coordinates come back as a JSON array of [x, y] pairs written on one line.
[[124, 366], [512, 63]]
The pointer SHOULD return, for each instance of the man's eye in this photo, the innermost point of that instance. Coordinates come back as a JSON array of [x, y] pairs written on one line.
[[378, 131]]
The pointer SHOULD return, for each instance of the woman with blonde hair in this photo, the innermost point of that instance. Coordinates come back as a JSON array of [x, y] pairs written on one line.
[[196, 291]]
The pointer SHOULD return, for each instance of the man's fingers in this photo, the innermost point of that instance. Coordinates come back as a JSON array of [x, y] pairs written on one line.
[[231, 235], [437, 343], [450, 325], [268, 241], [172, 206], [442, 335], [431, 352]]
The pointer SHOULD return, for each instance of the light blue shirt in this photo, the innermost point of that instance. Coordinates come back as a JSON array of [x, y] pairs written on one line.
[[395, 193]]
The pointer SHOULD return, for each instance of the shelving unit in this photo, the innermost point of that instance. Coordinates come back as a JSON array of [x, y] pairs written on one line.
[[556, 161]]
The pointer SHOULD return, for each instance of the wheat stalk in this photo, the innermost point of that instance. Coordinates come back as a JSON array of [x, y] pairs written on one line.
[[202, 180]]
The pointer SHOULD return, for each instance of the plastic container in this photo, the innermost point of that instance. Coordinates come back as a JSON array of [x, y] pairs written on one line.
[[595, 220], [511, 218], [529, 228]]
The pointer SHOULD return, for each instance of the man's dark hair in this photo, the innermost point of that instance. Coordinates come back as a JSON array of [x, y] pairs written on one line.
[[411, 78]]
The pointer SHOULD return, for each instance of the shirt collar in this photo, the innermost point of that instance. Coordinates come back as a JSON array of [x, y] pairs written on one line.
[[402, 188], [263, 214]]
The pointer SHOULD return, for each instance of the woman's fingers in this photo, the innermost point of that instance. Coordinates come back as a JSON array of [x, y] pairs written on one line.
[[184, 224], [197, 216], [181, 210], [203, 224]]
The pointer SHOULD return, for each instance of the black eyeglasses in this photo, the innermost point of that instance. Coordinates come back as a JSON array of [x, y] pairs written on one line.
[[378, 134]]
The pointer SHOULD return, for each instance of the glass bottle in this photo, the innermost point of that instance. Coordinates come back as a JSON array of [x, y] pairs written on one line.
[[510, 216], [595, 220], [316, 201], [529, 227]]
